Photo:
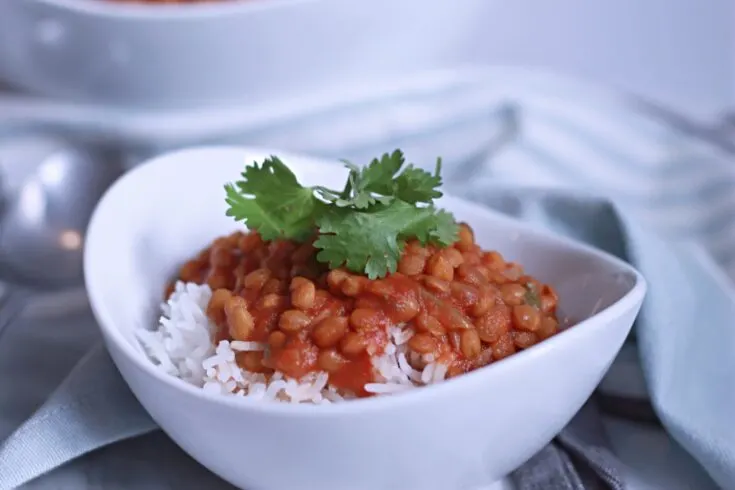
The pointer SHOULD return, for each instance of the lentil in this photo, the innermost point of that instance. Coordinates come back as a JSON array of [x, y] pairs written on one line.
[[293, 320], [330, 331], [239, 319], [303, 295], [422, 343], [467, 307]]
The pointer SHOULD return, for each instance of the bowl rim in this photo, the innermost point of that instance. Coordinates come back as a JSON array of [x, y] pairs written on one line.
[[170, 12], [632, 300]]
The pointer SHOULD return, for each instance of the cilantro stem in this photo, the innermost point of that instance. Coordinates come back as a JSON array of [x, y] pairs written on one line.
[[326, 192], [350, 180]]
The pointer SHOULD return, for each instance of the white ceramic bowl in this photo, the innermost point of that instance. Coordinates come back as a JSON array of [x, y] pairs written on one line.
[[459, 434], [222, 53]]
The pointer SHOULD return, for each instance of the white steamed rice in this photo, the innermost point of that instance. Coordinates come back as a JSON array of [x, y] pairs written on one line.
[[182, 346]]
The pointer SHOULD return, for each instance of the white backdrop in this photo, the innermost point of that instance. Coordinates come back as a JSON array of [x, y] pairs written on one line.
[[681, 52]]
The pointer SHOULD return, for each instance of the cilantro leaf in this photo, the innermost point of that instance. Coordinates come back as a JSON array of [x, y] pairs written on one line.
[[271, 175], [371, 242], [271, 200], [363, 227], [378, 175], [370, 185], [432, 226], [416, 185], [378, 183]]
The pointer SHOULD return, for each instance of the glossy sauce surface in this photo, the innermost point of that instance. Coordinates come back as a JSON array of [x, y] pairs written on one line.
[[465, 307]]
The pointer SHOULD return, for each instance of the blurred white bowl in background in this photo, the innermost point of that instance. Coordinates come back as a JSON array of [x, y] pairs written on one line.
[[214, 54]]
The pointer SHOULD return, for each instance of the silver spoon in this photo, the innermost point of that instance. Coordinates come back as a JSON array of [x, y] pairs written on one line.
[[43, 223]]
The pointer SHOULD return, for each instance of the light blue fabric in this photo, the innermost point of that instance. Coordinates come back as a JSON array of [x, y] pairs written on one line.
[[685, 331], [666, 203]]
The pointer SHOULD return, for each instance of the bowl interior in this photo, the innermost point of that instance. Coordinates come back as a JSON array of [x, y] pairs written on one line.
[[162, 213]]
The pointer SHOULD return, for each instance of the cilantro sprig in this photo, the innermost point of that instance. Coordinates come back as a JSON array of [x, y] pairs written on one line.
[[362, 227]]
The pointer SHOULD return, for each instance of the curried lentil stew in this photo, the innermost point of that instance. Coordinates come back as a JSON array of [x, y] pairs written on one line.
[[300, 315]]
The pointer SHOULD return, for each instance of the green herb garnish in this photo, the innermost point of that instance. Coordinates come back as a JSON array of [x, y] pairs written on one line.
[[270, 199], [363, 227], [532, 296]]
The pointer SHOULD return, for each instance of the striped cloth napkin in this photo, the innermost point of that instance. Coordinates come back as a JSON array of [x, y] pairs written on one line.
[[570, 157]]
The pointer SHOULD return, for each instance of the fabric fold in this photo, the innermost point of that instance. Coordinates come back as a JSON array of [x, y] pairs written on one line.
[[92, 408]]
